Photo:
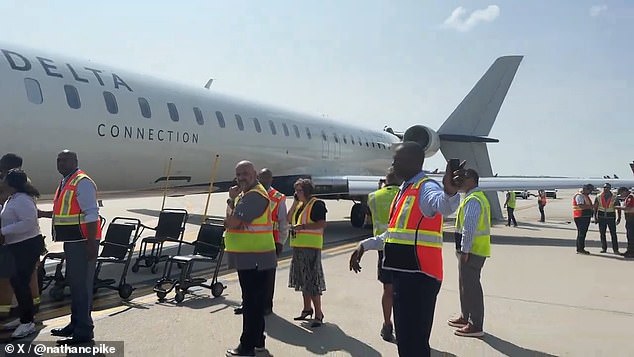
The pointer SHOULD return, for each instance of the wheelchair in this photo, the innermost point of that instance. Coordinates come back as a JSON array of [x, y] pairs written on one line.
[[170, 228], [208, 248]]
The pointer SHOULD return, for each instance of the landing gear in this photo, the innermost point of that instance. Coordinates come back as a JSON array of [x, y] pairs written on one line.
[[357, 214]]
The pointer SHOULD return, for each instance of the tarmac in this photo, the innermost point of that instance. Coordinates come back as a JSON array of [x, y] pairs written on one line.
[[541, 299]]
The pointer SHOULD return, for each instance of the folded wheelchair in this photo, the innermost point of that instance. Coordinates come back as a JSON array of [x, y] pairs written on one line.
[[208, 248]]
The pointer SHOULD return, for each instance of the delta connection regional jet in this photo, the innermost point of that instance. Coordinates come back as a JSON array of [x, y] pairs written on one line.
[[125, 128]]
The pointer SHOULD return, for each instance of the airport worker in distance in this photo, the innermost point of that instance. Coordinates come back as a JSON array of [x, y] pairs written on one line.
[[250, 250], [605, 215], [379, 203], [412, 246], [628, 210], [510, 207], [541, 203], [473, 246], [582, 212], [75, 219]]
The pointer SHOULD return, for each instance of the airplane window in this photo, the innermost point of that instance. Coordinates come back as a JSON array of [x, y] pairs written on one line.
[[372, 144], [33, 90], [272, 125], [367, 143], [345, 141], [72, 97], [111, 103], [199, 116], [308, 134], [173, 111], [296, 130], [336, 138], [360, 143], [323, 136], [352, 140], [221, 119], [256, 123], [285, 129], [239, 122], [145, 108]]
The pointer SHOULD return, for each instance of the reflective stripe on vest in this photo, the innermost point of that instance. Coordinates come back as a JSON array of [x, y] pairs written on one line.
[[511, 201], [414, 241], [306, 238], [482, 236], [606, 206], [380, 202], [67, 212], [253, 237], [276, 197], [578, 211]]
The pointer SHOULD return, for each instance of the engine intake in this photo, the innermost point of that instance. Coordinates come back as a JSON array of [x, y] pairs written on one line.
[[425, 137]]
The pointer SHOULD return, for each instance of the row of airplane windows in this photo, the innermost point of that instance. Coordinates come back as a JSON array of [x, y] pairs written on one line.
[[34, 94]]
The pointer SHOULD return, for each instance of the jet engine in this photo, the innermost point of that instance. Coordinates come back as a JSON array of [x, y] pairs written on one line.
[[426, 137]]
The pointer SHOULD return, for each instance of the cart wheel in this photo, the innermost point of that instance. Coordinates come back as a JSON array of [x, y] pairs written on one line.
[[135, 268], [161, 295], [57, 293], [125, 291], [180, 296], [217, 289], [149, 262], [154, 268]]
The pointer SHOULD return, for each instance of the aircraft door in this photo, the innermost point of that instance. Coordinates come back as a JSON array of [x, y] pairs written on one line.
[[336, 147], [325, 146]]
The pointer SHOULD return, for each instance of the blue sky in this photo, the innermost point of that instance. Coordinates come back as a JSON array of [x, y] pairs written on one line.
[[375, 63]]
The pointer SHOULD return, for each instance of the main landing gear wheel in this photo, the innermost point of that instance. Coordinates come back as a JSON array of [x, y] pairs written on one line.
[[357, 215]]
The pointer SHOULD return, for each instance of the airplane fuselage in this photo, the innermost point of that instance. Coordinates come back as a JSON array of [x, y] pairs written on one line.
[[125, 128]]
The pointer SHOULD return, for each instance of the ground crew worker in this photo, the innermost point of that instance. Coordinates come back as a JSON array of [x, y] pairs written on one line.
[[280, 230], [541, 203], [75, 218], [250, 250], [413, 246], [379, 203], [628, 209], [605, 215], [473, 246], [582, 210], [510, 208]]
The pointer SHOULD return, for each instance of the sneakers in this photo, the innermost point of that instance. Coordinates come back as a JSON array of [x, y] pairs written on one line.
[[387, 333], [240, 352], [11, 325], [469, 331], [23, 330], [458, 322], [585, 252]]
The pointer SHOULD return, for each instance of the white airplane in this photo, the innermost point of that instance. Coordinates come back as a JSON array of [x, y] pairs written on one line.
[[126, 127]]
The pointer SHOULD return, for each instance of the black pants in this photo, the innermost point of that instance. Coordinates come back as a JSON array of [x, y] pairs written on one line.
[[629, 227], [604, 223], [25, 255], [582, 229], [541, 212], [511, 215], [270, 289], [80, 274], [414, 305], [253, 283]]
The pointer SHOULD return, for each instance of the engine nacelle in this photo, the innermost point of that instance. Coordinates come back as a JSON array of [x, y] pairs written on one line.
[[426, 137]]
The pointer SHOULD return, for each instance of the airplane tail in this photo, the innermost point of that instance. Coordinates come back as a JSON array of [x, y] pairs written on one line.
[[465, 133]]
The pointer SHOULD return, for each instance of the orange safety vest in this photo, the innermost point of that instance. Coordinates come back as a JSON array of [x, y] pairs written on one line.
[[276, 197], [606, 205], [578, 211], [69, 223], [414, 241]]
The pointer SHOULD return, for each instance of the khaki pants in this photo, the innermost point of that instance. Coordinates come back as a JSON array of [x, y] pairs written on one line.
[[7, 298]]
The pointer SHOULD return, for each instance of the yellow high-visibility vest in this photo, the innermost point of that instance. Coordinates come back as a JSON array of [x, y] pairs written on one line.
[[253, 237], [482, 236]]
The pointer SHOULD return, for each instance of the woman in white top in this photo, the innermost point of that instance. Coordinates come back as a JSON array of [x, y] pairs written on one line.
[[20, 233]]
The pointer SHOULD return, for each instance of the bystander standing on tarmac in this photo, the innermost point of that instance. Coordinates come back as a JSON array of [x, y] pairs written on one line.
[[541, 204], [413, 246], [250, 250], [628, 210], [473, 247], [582, 211], [605, 216], [379, 203]]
